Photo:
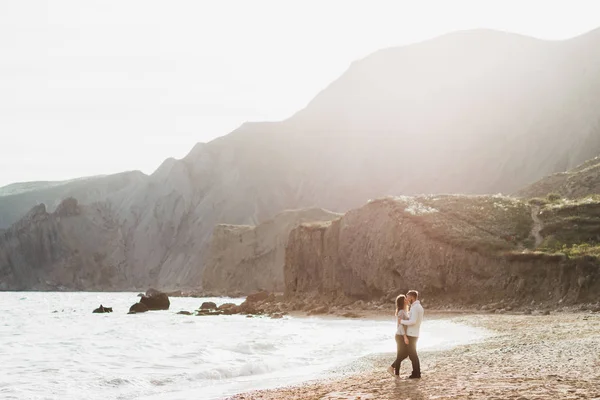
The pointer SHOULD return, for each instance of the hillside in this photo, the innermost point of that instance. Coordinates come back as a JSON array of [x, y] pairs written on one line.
[[247, 259], [457, 250], [470, 112], [17, 199], [581, 181]]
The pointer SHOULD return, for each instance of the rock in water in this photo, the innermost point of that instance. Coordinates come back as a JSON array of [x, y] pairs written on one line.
[[138, 308], [102, 309], [208, 305], [155, 300]]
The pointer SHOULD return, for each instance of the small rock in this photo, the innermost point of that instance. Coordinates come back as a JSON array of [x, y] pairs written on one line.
[[184, 313], [102, 309]]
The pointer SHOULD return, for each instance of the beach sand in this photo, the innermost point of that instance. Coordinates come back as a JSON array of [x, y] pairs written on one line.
[[530, 357]]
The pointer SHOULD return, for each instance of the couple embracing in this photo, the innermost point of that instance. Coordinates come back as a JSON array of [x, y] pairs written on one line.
[[407, 332]]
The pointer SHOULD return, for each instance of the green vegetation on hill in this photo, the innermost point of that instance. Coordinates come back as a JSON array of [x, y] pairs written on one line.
[[571, 227], [579, 182], [505, 225], [486, 224]]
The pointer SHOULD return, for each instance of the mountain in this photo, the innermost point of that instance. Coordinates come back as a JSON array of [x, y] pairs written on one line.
[[18, 198], [469, 112], [247, 259], [581, 181]]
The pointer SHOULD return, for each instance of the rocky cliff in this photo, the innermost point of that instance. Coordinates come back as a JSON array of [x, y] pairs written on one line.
[[469, 112], [454, 249], [576, 183], [76, 247], [250, 258]]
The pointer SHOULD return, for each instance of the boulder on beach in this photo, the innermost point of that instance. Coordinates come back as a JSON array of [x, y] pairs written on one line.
[[256, 297], [138, 308], [102, 309]]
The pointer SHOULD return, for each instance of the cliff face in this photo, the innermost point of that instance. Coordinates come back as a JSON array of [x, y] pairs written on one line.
[[390, 246], [247, 259], [78, 247]]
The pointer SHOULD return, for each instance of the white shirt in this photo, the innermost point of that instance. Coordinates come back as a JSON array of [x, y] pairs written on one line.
[[413, 324], [400, 316]]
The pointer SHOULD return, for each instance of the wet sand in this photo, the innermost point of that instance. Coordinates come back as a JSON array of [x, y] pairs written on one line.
[[530, 357]]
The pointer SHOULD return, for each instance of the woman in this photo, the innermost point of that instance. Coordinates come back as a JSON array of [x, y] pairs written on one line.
[[401, 338]]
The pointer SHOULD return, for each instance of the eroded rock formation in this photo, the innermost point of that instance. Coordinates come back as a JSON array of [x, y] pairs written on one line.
[[454, 249], [77, 247], [247, 259]]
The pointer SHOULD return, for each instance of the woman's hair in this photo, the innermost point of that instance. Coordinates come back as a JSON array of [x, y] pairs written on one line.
[[400, 303]]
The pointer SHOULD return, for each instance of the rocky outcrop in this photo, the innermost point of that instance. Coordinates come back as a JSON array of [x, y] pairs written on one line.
[[576, 183], [468, 112], [454, 249], [247, 259], [77, 247]]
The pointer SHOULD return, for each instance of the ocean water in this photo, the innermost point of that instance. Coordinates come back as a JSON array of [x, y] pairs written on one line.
[[53, 347]]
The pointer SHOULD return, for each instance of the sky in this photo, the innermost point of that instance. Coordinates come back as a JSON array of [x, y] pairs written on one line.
[[99, 87]]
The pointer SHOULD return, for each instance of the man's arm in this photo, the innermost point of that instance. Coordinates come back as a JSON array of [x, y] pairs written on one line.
[[412, 319]]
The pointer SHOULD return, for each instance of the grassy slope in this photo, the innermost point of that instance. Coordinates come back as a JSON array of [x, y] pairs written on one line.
[[495, 225], [579, 182]]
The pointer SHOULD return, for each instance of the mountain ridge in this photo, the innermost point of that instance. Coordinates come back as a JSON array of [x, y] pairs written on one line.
[[444, 116]]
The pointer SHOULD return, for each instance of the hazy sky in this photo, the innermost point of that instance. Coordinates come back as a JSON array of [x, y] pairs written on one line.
[[96, 87]]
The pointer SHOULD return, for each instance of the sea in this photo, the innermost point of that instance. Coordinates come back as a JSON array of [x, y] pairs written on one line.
[[53, 347]]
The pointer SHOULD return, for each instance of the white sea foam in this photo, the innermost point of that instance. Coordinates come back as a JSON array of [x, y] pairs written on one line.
[[74, 354]]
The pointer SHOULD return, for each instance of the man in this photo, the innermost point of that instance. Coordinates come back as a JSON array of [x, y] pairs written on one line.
[[413, 325]]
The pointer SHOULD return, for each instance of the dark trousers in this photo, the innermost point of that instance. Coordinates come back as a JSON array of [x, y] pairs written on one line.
[[412, 354], [401, 353]]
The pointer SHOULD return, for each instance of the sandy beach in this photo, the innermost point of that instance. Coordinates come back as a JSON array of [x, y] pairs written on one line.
[[553, 356]]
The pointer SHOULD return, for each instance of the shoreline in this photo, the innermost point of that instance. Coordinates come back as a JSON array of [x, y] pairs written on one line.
[[529, 356]]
